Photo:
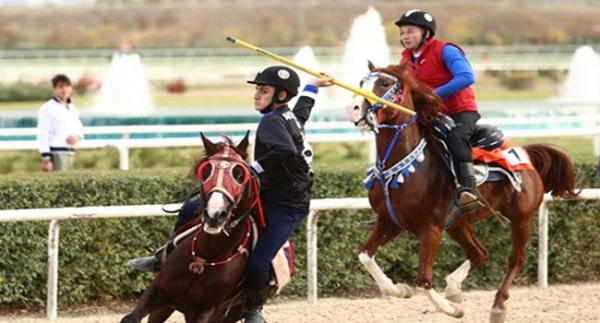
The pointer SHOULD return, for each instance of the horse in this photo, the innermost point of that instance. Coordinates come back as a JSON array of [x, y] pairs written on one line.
[[412, 188], [202, 277]]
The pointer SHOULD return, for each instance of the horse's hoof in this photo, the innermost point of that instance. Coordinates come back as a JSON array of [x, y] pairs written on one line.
[[399, 291], [497, 315], [458, 311], [455, 297], [408, 291]]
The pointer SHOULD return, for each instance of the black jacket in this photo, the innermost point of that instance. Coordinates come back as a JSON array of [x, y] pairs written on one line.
[[285, 156]]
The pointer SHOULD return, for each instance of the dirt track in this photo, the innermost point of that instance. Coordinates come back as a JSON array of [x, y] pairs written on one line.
[[561, 303]]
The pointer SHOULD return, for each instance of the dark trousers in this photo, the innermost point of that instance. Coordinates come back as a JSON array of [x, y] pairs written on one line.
[[187, 214], [458, 140], [280, 225]]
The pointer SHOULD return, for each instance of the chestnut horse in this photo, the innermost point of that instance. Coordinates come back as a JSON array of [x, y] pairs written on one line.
[[419, 203], [202, 277]]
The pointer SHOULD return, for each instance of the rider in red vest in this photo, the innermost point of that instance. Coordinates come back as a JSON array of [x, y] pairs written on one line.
[[444, 67]]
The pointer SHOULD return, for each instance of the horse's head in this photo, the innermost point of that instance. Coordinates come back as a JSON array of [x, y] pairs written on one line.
[[225, 181], [389, 83]]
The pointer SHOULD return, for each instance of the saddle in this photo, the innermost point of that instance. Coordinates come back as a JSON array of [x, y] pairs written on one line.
[[494, 158]]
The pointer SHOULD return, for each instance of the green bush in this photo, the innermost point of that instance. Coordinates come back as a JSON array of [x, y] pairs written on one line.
[[94, 253], [20, 91]]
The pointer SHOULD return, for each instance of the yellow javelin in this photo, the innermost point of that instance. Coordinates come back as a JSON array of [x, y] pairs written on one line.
[[370, 96]]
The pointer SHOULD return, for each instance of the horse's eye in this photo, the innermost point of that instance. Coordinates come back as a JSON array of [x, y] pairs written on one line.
[[385, 84], [238, 174], [206, 171]]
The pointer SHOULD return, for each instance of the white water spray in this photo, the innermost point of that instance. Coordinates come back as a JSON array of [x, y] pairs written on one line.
[[125, 89]]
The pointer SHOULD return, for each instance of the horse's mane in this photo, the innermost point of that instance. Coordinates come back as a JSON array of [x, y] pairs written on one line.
[[219, 146], [426, 103]]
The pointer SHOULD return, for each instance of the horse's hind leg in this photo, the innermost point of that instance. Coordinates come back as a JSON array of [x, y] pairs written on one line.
[[520, 236], [476, 255], [381, 234], [149, 302], [429, 242]]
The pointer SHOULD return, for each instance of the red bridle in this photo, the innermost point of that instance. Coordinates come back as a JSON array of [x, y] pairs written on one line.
[[218, 174]]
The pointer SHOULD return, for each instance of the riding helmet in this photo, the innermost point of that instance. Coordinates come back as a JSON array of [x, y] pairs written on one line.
[[281, 77], [417, 18]]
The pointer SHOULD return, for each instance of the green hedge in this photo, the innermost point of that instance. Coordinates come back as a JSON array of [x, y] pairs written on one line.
[[94, 253], [21, 91]]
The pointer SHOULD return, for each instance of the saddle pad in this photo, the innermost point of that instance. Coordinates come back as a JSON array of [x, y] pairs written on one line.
[[510, 156], [283, 266]]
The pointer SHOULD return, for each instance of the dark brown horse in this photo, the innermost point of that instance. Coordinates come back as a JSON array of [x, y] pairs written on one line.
[[202, 276], [409, 156]]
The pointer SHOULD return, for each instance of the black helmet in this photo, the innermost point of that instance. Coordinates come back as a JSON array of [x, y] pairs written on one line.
[[281, 77], [417, 18]]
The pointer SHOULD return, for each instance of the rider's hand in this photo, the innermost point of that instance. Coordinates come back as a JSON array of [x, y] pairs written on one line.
[[322, 82]]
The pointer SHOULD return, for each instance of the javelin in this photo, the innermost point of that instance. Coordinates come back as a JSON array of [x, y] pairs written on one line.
[[367, 94]]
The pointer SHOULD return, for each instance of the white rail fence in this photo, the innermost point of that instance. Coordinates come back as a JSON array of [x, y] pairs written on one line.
[[99, 212], [350, 134]]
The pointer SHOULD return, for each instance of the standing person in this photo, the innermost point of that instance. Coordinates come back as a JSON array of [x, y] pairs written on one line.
[[444, 67], [283, 166], [59, 127]]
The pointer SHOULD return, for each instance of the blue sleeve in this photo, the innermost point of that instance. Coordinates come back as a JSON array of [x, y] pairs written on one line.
[[459, 67]]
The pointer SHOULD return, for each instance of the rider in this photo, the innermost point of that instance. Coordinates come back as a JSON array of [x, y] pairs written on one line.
[[283, 166], [444, 67]]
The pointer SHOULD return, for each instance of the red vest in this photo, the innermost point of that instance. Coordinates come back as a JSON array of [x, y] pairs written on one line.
[[431, 70]]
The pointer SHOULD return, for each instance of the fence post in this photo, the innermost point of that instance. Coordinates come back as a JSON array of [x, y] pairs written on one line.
[[52, 297], [311, 256], [543, 245]]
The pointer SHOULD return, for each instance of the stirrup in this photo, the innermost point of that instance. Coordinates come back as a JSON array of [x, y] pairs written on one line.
[[369, 224]]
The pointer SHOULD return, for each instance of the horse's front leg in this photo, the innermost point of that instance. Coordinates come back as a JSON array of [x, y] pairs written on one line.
[[149, 302], [429, 242], [476, 255], [381, 234]]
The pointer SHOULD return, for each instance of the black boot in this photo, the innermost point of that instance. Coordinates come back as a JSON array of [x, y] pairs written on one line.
[[466, 199], [151, 263], [255, 299]]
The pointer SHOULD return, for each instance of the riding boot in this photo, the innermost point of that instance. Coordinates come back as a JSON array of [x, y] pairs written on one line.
[[466, 199], [255, 299], [151, 263]]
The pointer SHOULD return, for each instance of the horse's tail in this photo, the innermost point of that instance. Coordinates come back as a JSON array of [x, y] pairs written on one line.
[[555, 169]]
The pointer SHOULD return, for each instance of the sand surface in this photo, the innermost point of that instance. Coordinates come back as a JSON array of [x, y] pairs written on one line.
[[558, 303]]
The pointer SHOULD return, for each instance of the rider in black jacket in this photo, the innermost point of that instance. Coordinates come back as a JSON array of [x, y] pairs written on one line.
[[283, 165]]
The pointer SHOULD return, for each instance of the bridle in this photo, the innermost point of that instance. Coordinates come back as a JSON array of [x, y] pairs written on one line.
[[374, 114], [394, 176], [218, 174]]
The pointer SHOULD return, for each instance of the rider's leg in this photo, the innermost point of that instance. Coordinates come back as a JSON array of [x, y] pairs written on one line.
[[153, 263], [460, 147], [280, 225]]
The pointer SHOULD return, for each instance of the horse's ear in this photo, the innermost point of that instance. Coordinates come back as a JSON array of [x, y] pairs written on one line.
[[209, 147], [371, 66], [243, 145]]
